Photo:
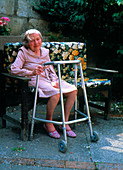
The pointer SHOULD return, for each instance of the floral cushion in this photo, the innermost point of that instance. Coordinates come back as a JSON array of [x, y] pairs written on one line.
[[59, 51], [67, 51], [93, 83]]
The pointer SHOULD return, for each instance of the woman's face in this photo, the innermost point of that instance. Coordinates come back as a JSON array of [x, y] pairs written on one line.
[[35, 42]]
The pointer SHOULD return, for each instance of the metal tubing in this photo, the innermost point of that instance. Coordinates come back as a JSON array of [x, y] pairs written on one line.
[[86, 100], [81, 113], [61, 123], [75, 108], [34, 108], [87, 117], [62, 62], [62, 103]]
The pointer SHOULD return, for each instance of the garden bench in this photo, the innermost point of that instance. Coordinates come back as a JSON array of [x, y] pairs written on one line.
[[14, 89]]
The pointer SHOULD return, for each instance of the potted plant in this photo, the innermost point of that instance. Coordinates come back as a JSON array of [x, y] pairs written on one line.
[[4, 29]]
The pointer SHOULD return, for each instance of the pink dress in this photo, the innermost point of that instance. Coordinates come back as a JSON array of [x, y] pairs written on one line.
[[26, 61]]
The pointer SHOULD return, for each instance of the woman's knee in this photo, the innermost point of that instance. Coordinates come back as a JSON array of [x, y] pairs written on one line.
[[74, 93], [56, 97]]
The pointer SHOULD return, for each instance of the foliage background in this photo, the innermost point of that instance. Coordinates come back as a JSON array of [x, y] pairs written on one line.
[[98, 23]]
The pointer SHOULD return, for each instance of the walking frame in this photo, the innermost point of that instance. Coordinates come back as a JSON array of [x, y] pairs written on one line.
[[63, 143]]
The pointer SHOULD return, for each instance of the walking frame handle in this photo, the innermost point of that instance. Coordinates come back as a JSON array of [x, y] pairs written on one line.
[[62, 62]]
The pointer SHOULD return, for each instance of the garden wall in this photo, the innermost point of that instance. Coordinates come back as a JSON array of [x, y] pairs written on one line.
[[22, 16]]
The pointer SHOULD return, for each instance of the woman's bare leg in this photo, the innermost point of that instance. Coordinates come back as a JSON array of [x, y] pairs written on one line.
[[51, 105], [70, 99]]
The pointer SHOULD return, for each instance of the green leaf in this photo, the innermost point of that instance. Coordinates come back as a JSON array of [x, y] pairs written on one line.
[[18, 149], [120, 52]]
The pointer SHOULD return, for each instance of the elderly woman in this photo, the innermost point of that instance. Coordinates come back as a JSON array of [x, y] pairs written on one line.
[[28, 63]]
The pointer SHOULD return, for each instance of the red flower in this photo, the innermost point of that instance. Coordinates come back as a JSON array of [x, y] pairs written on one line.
[[5, 18], [4, 30]]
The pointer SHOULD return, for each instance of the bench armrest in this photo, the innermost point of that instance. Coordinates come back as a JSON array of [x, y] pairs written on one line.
[[102, 70], [16, 77]]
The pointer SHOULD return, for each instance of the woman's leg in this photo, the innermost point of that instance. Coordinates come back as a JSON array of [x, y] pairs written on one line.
[[70, 99], [51, 105]]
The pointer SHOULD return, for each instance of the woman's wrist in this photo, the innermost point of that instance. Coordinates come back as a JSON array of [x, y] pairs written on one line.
[[31, 73]]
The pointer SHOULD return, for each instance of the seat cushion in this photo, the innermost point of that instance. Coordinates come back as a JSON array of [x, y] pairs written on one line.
[[93, 83], [90, 83]]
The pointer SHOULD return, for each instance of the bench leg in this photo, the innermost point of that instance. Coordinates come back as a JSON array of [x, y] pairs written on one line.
[[107, 104], [2, 111], [2, 101], [24, 116], [81, 103], [81, 100]]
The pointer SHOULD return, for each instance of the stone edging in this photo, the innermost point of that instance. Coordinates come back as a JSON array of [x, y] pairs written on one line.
[[60, 163]]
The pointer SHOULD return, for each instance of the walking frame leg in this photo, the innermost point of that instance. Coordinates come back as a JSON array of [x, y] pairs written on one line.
[[62, 104], [75, 104], [34, 108], [86, 100], [76, 87]]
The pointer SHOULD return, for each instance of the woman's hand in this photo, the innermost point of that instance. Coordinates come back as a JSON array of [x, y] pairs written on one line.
[[38, 70], [55, 84]]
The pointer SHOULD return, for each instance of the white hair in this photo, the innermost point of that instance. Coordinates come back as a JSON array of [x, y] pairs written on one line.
[[32, 31], [27, 37]]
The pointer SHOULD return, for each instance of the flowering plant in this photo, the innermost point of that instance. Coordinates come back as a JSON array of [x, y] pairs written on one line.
[[4, 30]]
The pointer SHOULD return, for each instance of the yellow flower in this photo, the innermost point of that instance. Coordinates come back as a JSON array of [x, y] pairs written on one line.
[[71, 57], [66, 68], [82, 63], [70, 49], [64, 71], [81, 45], [65, 55], [63, 46], [86, 79], [63, 77], [56, 51], [4, 65], [75, 46], [84, 66], [11, 59], [75, 52], [52, 56], [82, 60], [14, 53], [73, 69]]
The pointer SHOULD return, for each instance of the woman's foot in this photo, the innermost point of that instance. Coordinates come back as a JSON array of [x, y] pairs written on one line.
[[69, 132], [51, 131]]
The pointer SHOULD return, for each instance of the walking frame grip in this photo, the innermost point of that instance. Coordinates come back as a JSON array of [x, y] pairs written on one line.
[[86, 117]]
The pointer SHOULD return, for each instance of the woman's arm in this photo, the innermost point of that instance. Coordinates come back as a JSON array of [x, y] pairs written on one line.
[[52, 74], [17, 67]]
